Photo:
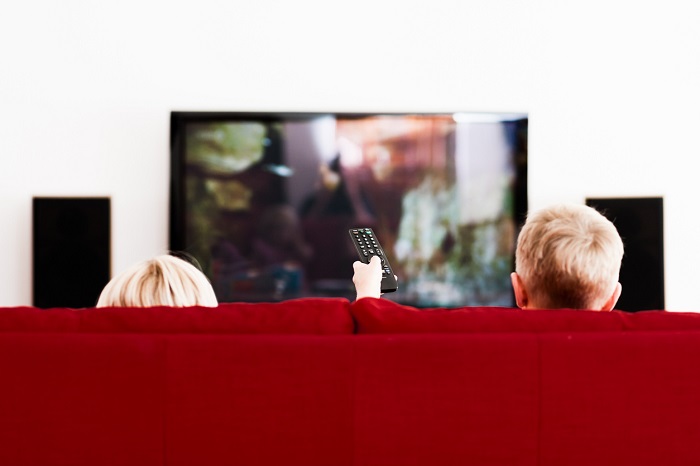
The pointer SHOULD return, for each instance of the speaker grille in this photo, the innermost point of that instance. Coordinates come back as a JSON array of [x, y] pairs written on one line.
[[641, 226], [71, 251]]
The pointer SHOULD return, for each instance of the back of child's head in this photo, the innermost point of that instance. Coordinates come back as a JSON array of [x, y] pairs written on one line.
[[569, 256], [164, 280]]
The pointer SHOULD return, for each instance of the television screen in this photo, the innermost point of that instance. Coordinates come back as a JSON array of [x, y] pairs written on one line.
[[264, 201]]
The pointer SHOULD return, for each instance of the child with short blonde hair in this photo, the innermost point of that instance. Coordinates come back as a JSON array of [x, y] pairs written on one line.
[[567, 256], [164, 280]]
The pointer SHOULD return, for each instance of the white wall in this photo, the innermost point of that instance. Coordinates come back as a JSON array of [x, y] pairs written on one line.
[[612, 89]]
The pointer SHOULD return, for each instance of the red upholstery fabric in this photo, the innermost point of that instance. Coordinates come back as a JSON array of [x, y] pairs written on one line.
[[261, 400], [384, 316], [81, 399], [627, 398], [287, 383], [446, 400], [323, 316], [30, 319]]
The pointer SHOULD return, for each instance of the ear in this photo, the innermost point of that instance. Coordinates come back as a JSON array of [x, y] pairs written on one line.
[[610, 303], [521, 298]]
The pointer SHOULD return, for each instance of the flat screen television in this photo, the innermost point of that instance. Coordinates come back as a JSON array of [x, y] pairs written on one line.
[[264, 201]]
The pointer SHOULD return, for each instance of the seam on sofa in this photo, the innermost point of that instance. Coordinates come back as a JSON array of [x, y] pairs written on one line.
[[538, 431], [164, 397], [353, 399]]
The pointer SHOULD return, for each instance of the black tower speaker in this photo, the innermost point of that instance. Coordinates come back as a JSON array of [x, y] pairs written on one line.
[[71, 247], [640, 222]]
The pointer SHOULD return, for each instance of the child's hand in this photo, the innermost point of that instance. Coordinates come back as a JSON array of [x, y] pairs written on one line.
[[368, 278]]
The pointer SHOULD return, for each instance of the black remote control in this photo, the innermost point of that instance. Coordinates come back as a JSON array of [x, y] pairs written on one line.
[[367, 245]]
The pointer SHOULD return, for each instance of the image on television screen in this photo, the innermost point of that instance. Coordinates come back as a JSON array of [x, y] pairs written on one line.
[[264, 202]]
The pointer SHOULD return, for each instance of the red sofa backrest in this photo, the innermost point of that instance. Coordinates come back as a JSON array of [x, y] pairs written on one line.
[[318, 316], [512, 387], [290, 384], [241, 384], [381, 316]]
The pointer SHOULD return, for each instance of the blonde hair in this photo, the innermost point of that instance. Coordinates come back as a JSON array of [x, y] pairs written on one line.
[[569, 256], [161, 281]]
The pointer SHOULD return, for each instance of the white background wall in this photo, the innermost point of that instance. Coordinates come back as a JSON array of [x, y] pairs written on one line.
[[86, 88]]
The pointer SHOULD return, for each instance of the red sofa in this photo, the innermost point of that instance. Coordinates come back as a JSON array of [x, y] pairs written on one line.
[[328, 382]]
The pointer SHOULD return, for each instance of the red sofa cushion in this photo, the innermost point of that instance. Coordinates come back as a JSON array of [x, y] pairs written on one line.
[[446, 400], [322, 316], [385, 316], [81, 399], [260, 400], [619, 398]]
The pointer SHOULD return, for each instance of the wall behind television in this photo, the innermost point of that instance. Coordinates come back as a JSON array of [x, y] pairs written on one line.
[[86, 89]]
